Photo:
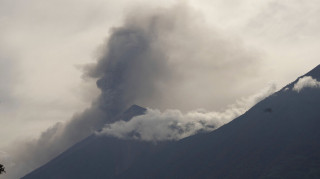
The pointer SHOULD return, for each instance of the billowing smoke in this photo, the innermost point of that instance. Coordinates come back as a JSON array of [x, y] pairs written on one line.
[[151, 60], [306, 82], [174, 125]]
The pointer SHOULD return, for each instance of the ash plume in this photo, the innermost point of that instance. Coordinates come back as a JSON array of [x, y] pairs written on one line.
[[148, 60]]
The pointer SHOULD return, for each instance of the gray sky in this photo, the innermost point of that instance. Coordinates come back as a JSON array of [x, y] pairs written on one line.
[[44, 44]]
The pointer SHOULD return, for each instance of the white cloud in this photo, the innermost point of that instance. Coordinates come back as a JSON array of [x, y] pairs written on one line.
[[175, 125], [306, 82], [168, 125]]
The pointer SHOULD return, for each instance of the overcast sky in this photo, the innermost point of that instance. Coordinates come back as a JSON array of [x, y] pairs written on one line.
[[45, 44]]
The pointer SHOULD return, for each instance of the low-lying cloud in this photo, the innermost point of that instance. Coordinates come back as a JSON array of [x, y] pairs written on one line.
[[174, 125], [306, 82]]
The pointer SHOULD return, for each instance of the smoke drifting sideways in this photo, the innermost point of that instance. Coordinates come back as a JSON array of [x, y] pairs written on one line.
[[141, 63], [175, 125]]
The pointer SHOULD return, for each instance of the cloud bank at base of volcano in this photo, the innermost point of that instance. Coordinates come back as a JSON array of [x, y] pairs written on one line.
[[174, 125]]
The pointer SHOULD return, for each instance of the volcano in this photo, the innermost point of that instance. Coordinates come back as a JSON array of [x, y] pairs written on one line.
[[277, 138]]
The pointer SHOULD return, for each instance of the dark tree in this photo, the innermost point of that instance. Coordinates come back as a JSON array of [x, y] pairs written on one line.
[[2, 169]]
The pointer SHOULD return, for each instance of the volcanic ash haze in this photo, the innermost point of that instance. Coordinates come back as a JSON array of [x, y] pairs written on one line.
[[159, 58]]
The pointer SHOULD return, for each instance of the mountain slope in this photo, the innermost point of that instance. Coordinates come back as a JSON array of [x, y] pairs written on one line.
[[93, 154], [277, 138], [258, 144]]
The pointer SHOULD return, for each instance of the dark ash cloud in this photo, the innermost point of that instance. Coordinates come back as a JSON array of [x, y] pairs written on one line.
[[150, 60]]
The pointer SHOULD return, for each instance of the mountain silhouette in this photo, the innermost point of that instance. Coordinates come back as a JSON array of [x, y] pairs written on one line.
[[277, 138]]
